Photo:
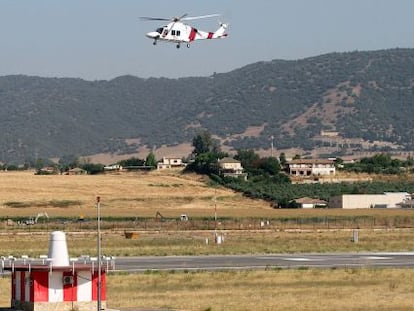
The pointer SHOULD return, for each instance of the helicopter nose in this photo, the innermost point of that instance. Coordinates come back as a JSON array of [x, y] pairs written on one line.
[[152, 35]]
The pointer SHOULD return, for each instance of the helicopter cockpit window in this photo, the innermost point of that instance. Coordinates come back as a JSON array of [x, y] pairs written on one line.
[[159, 30]]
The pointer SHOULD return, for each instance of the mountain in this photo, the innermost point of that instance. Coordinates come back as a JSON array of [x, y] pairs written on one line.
[[338, 101]]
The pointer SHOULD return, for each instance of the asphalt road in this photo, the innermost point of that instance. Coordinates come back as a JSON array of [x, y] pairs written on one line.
[[239, 262]]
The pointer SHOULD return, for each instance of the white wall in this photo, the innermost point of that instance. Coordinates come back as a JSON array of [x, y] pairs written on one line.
[[56, 287], [84, 286], [355, 201]]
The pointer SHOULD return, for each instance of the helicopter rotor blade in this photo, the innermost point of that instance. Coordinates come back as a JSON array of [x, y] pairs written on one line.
[[176, 19], [198, 17], [144, 18]]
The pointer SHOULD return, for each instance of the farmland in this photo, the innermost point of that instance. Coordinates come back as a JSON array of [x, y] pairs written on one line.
[[131, 202], [124, 195]]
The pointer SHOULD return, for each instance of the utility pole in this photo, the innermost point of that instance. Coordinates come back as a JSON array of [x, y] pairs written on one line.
[[98, 213], [271, 146], [215, 213]]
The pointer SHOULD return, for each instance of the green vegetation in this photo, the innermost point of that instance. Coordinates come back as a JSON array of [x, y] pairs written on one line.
[[206, 154], [53, 203], [267, 180], [381, 164], [283, 193], [367, 93], [150, 160]]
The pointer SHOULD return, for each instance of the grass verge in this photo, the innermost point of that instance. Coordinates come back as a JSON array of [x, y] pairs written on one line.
[[162, 243]]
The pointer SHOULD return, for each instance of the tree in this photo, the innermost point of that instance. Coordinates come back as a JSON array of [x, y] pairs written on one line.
[[248, 158], [204, 143], [207, 152], [150, 160], [93, 168], [131, 162], [270, 165], [282, 159], [68, 162], [339, 163], [204, 163]]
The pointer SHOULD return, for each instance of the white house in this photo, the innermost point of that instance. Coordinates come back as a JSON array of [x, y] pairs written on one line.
[[230, 167], [311, 167], [113, 167], [307, 202], [170, 162]]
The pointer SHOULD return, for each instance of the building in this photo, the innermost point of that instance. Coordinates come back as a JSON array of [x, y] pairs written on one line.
[[170, 162], [406, 204], [229, 167], [55, 282], [77, 171], [311, 167], [112, 168], [385, 200], [329, 133], [307, 202], [48, 170]]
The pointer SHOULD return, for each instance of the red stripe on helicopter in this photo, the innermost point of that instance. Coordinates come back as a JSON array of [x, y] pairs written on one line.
[[193, 33], [210, 35]]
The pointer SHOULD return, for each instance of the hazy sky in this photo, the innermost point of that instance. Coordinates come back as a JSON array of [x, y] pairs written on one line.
[[103, 39]]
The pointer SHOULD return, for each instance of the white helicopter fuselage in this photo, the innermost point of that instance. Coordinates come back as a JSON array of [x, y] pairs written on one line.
[[178, 32]]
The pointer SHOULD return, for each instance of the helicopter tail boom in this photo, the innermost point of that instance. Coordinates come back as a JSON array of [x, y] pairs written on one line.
[[200, 35], [221, 32]]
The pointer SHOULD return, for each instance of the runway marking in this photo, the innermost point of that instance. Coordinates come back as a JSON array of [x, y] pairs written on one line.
[[298, 259], [376, 257]]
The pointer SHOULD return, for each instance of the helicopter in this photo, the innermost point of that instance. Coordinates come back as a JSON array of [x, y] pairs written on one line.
[[178, 32]]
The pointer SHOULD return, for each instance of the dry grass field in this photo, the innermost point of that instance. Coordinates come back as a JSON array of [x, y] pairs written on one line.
[[126, 194], [142, 195], [171, 193], [310, 290], [169, 243], [300, 289]]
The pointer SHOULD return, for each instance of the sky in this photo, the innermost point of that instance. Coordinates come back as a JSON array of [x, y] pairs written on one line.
[[104, 39]]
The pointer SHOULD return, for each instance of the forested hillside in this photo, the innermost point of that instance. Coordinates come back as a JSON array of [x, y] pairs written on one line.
[[357, 96]]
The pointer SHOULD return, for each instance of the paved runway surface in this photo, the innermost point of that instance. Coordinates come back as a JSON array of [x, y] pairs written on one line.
[[238, 262]]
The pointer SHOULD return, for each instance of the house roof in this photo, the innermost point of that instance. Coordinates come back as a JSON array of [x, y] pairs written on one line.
[[406, 203], [307, 200], [311, 161], [76, 169], [228, 160]]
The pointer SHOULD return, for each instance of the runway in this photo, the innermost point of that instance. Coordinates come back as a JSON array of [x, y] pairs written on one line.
[[251, 262]]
